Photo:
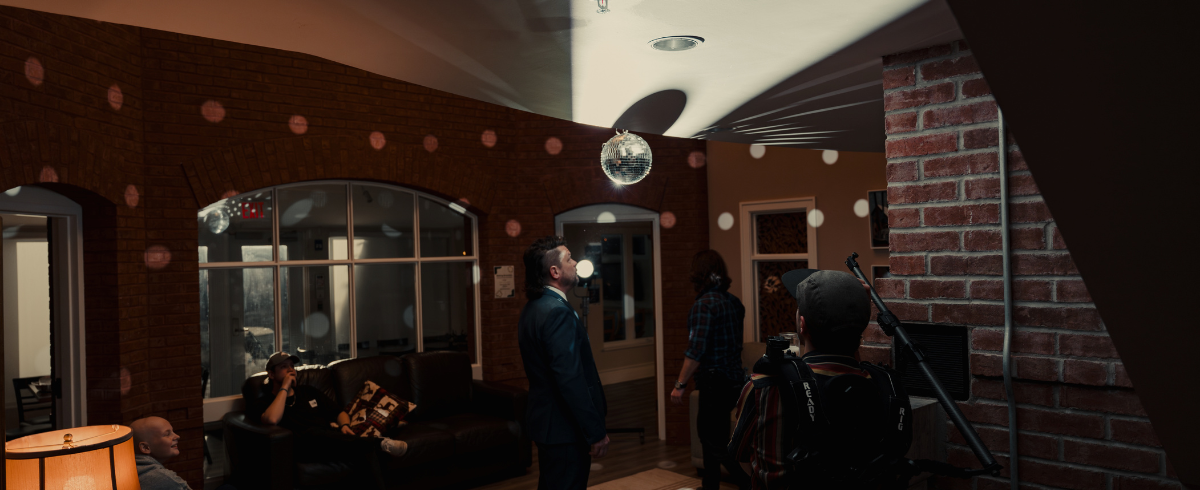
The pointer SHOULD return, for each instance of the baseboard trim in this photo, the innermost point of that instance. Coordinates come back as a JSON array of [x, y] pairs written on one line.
[[627, 373]]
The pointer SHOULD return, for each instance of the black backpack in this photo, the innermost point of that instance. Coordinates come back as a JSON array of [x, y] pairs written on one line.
[[851, 431]]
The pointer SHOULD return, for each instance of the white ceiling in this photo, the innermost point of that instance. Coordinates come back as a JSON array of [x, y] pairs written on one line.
[[802, 73]]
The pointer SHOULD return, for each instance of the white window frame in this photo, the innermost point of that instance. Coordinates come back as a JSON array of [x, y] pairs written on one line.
[[216, 408], [750, 256]]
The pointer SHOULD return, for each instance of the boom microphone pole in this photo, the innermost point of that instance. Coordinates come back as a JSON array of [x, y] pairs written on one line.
[[893, 328]]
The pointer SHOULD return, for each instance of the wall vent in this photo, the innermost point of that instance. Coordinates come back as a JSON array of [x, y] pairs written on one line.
[[946, 352]]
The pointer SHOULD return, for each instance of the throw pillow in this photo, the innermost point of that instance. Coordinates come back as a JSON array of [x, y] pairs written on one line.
[[375, 411]]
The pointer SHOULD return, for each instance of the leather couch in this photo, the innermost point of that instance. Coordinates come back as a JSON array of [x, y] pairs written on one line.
[[462, 429]]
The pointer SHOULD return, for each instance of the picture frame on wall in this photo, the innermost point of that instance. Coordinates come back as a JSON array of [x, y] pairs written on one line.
[[877, 204], [880, 272]]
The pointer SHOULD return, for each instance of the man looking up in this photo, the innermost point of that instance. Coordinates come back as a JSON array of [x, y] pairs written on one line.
[[566, 402], [320, 428], [155, 442]]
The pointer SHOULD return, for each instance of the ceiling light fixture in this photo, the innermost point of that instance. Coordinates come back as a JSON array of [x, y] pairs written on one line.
[[676, 43], [603, 4]]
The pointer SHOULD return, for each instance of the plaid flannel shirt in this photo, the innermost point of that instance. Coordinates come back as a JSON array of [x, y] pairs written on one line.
[[715, 333]]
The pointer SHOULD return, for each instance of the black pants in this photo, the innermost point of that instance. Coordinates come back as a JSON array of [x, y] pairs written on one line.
[[563, 466], [329, 445], [718, 397]]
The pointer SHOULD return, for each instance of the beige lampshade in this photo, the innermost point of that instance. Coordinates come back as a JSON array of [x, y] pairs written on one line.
[[98, 458]]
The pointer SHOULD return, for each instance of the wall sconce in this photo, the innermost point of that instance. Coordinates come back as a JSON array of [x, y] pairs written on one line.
[[98, 456]]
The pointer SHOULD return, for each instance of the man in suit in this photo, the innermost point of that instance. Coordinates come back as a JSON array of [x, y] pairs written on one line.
[[566, 402]]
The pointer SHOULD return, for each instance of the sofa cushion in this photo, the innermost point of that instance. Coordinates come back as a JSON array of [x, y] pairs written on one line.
[[322, 474], [440, 382], [376, 410], [386, 371], [473, 432], [425, 445]]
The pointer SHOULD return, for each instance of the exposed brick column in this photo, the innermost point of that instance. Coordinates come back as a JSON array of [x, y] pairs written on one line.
[[1081, 424]]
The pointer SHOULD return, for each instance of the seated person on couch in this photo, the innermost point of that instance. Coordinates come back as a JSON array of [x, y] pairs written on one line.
[[320, 429]]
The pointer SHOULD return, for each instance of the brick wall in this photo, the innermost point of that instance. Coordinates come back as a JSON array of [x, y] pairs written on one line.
[[144, 167], [1080, 423]]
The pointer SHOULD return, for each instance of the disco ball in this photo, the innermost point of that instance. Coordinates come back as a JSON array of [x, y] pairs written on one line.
[[626, 158]]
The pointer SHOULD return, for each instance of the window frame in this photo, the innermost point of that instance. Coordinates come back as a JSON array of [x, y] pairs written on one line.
[[750, 256], [216, 407]]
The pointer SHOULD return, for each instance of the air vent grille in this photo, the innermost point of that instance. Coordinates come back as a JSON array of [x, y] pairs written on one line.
[[946, 352]]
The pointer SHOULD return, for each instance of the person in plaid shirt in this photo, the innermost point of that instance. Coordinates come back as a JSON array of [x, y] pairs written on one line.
[[714, 357]]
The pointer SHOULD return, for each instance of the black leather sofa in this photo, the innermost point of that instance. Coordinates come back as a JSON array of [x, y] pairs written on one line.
[[463, 430]]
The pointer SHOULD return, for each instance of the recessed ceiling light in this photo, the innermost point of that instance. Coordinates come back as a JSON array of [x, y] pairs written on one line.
[[676, 43]]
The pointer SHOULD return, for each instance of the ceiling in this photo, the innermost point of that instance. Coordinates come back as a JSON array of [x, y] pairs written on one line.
[[778, 72]]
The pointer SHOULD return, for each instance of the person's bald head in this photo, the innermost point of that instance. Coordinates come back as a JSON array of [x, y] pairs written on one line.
[[156, 437]]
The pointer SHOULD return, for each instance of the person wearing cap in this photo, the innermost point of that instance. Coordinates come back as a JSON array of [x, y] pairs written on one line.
[[155, 442], [320, 428], [714, 357], [566, 408], [832, 311]]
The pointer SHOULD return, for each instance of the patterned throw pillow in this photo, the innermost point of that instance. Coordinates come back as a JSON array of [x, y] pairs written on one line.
[[374, 411]]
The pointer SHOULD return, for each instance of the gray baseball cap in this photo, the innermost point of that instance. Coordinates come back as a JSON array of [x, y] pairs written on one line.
[[829, 299], [279, 357]]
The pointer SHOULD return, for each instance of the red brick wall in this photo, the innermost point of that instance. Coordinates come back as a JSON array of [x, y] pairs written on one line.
[[1080, 423], [142, 324]]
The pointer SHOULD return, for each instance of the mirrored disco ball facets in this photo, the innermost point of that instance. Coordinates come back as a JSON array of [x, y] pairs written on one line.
[[626, 158]]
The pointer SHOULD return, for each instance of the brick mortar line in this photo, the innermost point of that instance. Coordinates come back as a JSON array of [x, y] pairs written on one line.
[[922, 82], [974, 253], [1081, 466], [996, 302], [1064, 437], [944, 129], [938, 179], [950, 104]]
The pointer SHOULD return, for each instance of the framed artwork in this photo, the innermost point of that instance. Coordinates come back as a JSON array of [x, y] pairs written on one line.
[[880, 272], [878, 207]]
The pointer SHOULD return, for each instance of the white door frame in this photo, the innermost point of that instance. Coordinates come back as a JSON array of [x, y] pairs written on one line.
[[750, 255], [623, 213], [69, 336]]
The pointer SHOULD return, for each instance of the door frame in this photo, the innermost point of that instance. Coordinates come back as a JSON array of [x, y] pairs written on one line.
[[70, 356], [623, 213]]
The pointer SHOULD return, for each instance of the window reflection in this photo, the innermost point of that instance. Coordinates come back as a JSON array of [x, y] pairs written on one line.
[[309, 217], [237, 325], [316, 312], [444, 231], [228, 225], [385, 300], [448, 306], [383, 220]]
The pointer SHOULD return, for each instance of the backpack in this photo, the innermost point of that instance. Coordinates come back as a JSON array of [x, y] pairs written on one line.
[[851, 431]]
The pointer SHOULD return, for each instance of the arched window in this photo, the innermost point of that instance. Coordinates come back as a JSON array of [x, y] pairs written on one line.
[[331, 270]]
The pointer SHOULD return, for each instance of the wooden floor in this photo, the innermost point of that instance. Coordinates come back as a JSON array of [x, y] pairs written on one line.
[[630, 404]]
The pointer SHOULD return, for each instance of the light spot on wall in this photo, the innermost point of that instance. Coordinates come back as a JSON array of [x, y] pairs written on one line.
[[431, 143], [696, 159], [512, 228], [34, 71], [115, 97], [229, 193], [862, 208], [157, 257], [489, 138], [554, 146], [667, 219], [606, 217], [408, 316], [298, 124], [464, 201], [757, 151], [816, 218], [378, 140], [725, 221], [316, 325], [829, 157], [126, 381], [213, 111], [131, 196], [48, 174]]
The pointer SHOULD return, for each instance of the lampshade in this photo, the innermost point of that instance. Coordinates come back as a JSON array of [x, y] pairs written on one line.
[[93, 458]]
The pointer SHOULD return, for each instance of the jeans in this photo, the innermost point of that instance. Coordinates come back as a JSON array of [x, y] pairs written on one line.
[[718, 397]]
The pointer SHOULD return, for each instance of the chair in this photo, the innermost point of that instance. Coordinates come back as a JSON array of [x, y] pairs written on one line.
[[28, 401]]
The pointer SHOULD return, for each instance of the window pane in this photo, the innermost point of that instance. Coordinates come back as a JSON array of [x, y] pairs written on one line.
[[385, 298], [448, 306], [230, 224], [237, 326], [612, 290], [316, 312], [781, 233], [776, 306], [312, 222], [383, 222], [444, 231]]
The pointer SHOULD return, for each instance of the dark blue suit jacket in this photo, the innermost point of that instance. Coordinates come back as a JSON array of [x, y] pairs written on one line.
[[566, 401]]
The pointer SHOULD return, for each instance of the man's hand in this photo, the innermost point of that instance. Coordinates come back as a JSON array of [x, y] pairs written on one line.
[[599, 449], [677, 396], [288, 381], [346, 430]]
